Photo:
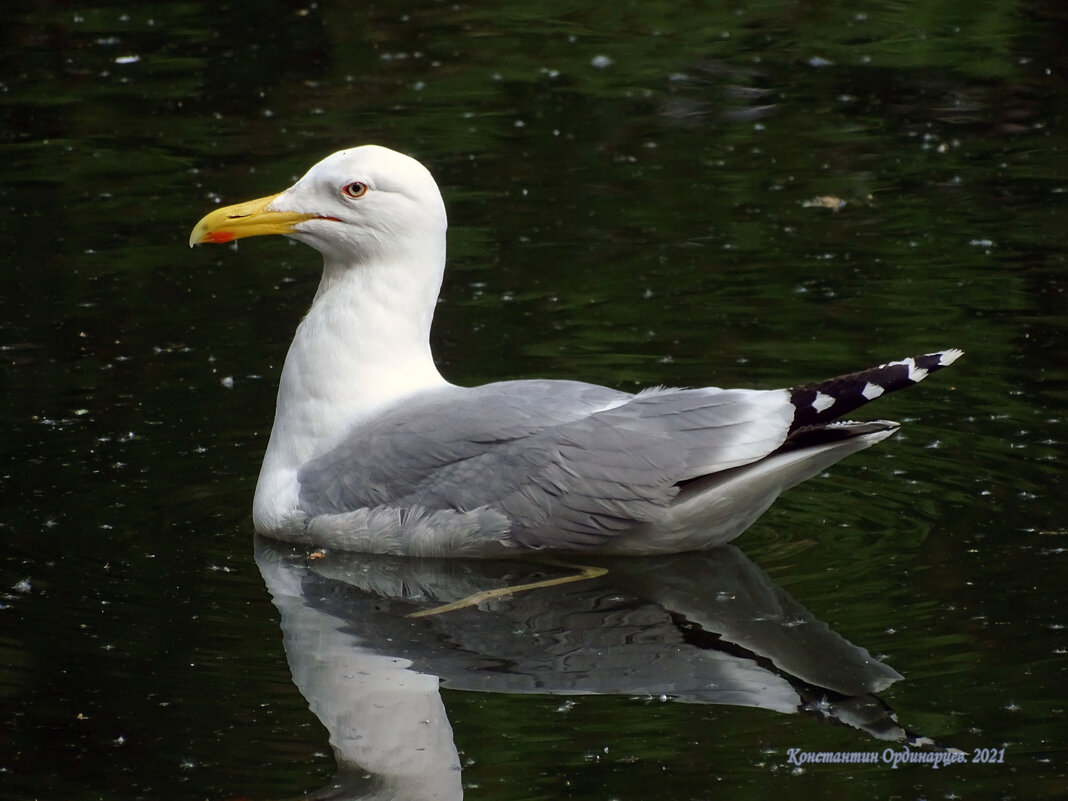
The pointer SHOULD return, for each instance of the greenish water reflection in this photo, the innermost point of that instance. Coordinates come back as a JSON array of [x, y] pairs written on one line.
[[635, 198]]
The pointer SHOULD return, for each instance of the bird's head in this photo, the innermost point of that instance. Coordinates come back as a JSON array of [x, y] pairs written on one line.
[[352, 206]]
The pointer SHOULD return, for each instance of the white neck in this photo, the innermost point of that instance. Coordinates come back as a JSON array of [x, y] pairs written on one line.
[[364, 345]]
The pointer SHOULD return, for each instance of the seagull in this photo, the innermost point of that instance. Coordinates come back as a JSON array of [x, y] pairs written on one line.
[[372, 450]]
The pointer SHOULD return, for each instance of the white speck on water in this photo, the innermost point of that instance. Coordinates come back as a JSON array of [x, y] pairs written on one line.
[[131, 59], [228, 382], [601, 61], [822, 705]]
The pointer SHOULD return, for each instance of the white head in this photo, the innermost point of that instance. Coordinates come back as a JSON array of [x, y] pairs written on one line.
[[356, 206]]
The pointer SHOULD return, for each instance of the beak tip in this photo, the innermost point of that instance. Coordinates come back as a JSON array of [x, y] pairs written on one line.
[[251, 218]]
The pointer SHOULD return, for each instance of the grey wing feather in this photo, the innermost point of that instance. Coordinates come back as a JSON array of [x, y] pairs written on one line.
[[434, 435], [569, 464]]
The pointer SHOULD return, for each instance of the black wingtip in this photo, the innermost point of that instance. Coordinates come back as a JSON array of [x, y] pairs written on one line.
[[822, 402], [837, 431]]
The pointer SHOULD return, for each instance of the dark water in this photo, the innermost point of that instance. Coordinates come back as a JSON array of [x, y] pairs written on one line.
[[639, 194]]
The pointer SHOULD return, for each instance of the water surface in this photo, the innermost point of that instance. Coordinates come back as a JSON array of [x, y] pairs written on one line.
[[755, 194]]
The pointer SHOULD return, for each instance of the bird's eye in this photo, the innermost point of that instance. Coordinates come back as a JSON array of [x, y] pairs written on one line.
[[355, 189]]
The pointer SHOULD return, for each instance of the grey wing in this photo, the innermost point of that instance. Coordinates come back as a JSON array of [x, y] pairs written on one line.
[[570, 465], [605, 473], [404, 451]]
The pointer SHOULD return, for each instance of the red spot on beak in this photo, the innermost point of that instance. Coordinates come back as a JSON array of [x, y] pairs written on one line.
[[218, 237]]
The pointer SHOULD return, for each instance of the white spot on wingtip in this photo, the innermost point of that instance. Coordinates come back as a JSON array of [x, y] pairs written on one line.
[[949, 356], [872, 391], [822, 402], [916, 374]]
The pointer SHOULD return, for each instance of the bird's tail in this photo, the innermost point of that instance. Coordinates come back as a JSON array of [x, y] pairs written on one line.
[[825, 401]]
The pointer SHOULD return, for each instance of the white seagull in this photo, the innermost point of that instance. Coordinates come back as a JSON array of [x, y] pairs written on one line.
[[372, 450]]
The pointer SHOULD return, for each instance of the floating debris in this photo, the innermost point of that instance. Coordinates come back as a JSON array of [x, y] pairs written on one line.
[[825, 202]]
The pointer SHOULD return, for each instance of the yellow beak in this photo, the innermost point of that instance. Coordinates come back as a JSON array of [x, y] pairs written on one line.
[[245, 219]]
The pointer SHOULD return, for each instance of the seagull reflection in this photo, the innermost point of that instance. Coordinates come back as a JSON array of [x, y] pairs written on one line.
[[371, 639]]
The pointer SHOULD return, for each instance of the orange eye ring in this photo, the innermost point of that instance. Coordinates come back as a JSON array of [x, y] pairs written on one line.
[[355, 189]]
